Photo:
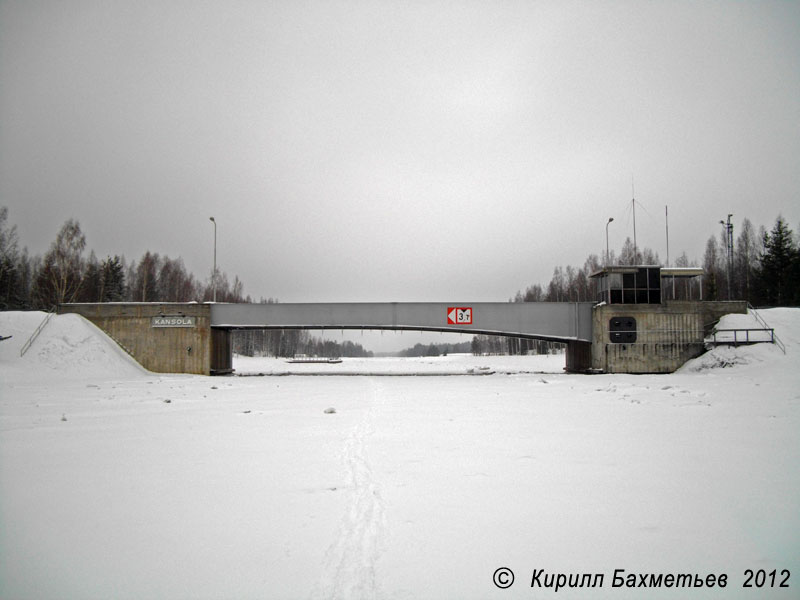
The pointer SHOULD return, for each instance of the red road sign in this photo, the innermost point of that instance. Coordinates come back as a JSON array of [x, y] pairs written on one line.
[[459, 315]]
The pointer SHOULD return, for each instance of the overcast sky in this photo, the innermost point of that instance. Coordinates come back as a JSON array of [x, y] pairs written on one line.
[[395, 151]]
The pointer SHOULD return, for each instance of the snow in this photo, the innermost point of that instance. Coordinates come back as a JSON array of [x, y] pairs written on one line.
[[70, 347], [454, 364], [117, 482]]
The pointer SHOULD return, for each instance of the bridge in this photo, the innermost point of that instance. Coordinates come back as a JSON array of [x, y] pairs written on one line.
[[568, 322], [196, 338], [629, 331]]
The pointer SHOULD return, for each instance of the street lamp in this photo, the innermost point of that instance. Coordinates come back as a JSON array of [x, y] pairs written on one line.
[[214, 273], [607, 224]]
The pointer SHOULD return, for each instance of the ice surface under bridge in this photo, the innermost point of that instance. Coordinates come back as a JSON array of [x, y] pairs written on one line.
[[555, 321]]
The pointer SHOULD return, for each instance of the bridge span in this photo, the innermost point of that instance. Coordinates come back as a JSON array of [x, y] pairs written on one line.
[[553, 321]]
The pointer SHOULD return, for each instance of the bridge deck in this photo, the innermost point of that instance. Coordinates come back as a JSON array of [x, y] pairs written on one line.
[[558, 321]]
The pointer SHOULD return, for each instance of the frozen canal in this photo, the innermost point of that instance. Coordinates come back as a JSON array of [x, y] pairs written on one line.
[[115, 482]]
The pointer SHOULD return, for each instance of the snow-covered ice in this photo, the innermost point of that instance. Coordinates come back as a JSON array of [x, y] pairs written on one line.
[[454, 364], [117, 482]]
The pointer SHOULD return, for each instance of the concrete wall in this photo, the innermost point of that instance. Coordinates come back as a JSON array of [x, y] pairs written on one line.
[[159, 349], [667, 335]]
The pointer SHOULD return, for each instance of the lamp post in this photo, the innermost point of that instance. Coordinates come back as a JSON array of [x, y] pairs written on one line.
[[607, 224], [214, 272]]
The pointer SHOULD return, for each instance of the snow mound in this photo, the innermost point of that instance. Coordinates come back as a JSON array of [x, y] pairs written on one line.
[[69, 347], [785, 322], [722, 357]]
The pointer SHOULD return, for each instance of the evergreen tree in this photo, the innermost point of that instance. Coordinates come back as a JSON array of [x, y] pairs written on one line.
[[113, 273], [92, 288], [778, 275]]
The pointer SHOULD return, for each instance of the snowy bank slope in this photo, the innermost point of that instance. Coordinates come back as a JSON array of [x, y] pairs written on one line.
[[68, 347], [415, 487], [768, 358]]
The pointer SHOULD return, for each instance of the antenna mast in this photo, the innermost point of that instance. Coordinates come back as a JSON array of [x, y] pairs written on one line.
[[666, 219]]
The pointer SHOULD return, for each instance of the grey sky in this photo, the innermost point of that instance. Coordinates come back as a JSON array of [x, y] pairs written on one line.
[[395, 151]]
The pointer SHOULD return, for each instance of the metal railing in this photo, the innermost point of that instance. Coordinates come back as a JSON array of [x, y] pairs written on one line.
[[737, 339], [36, 333]]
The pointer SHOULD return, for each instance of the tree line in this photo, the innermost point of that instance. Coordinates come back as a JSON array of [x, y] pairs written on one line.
[[495, 344], [762, 267], [482, 345], [66, 274], [419, 350], [287, 343]]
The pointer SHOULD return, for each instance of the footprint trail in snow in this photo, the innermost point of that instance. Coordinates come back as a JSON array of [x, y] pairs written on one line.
[[349, 570]]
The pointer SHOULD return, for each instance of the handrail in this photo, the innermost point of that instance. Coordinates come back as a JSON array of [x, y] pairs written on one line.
[[736, 340], [36, 333], [745, 329], [775, 339], [757, 316]]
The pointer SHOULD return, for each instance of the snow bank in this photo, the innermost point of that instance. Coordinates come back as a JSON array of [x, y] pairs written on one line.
[[785, 322], [69, 347]]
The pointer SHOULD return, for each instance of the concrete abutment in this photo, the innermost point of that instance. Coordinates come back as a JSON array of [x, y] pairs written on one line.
[[653, 338], [163, 337]]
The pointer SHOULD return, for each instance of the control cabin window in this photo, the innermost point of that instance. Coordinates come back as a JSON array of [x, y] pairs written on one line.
[[637, 285]]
